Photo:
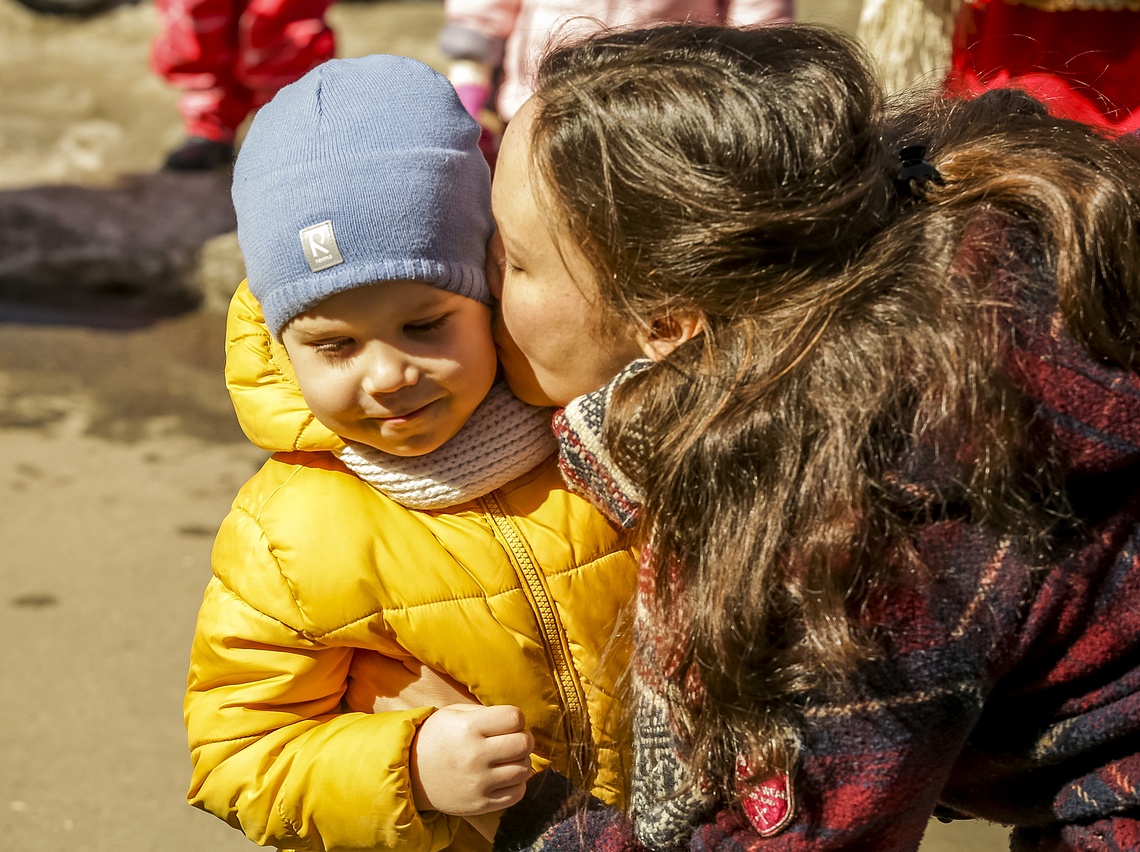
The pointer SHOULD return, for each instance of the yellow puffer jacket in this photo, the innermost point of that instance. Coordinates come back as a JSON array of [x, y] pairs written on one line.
[[519, 595]]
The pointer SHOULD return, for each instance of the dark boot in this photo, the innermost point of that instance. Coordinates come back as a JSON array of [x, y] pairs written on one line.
[[198, 154]]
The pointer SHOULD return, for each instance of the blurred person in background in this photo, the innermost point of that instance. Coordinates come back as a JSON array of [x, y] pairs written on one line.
[[493, 44], [229, 57]]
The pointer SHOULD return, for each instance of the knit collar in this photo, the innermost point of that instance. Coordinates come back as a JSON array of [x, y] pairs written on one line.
[[503, 439], [583, 458]]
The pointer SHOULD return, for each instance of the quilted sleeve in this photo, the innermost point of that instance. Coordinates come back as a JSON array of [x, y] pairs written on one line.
[[272, 754]]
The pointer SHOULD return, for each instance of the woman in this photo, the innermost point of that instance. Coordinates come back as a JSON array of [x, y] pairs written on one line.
[[883, 455]]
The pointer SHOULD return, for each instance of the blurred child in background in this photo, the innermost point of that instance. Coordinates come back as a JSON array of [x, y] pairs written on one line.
[[492, 44], [229, 57]]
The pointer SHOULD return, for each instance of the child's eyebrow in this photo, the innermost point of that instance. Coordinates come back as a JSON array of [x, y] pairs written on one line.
[[439, 299], [309, 328]]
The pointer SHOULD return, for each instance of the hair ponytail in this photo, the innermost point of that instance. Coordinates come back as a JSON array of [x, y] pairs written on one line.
[[1072, 189]]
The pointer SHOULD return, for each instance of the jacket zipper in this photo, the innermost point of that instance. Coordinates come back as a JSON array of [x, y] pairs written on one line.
[[554, 638]]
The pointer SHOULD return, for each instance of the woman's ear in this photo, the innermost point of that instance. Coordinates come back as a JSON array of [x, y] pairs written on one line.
[[666, 334]]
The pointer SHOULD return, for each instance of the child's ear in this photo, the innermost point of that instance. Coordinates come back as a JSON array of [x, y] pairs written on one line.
[[667, 333]]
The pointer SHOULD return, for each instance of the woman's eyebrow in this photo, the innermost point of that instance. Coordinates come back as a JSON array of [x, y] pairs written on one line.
[[511, 246]]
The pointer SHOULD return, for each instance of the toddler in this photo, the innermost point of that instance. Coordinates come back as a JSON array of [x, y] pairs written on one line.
[[411, 514]]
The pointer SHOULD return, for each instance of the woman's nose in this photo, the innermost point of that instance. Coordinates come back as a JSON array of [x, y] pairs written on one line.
[[387, 371]]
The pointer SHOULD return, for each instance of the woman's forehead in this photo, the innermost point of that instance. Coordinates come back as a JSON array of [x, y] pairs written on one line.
[[515, 193], [513, 164]]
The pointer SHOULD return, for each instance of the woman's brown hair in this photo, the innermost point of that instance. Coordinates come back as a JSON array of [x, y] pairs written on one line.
[[853, 335]]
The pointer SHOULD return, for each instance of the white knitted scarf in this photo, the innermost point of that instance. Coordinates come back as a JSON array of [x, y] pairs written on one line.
[[502, 440]]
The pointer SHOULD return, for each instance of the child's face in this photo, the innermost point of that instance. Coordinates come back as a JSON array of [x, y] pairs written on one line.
[[397, 365]]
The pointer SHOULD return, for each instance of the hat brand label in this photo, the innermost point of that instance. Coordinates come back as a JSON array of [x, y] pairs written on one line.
[[319, 244]]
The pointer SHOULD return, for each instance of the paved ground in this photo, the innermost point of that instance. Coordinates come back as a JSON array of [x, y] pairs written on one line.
[[118, 447]]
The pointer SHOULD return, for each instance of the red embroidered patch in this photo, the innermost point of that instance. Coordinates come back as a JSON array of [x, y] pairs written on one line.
[[768, 804]]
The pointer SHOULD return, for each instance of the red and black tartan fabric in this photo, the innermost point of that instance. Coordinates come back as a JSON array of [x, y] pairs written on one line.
[[1004, 691]]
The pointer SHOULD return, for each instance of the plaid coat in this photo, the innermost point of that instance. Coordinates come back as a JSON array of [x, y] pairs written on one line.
[[1003, 692]]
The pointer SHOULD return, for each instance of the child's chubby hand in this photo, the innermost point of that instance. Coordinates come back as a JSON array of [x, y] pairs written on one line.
[[468, 760]]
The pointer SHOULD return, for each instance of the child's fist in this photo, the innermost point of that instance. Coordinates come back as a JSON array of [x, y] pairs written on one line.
[[468, 760]]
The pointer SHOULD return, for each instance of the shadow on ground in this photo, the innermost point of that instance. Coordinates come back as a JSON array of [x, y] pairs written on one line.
[[73, 8], [121, 256]]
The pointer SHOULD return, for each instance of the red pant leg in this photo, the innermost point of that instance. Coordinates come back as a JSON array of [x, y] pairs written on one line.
[[197, 51], [279, 41]]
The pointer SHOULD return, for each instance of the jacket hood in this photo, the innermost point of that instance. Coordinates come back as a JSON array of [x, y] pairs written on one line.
[[263, 388]]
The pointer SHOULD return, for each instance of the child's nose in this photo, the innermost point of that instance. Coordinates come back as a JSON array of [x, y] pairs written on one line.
[[388, 371]]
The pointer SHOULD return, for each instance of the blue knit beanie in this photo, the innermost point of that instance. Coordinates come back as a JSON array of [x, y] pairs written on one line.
[[364, 170]]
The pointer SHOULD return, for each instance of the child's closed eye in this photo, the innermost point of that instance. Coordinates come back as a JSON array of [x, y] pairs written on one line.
[[333, 346], [427, 326]]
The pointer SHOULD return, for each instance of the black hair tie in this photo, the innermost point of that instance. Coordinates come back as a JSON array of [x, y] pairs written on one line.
[[914, 171]]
